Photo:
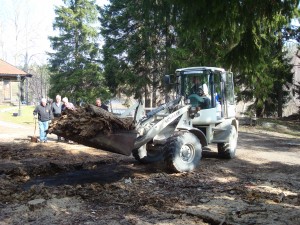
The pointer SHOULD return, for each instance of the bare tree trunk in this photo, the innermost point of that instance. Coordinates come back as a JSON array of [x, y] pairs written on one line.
[[280, 105]]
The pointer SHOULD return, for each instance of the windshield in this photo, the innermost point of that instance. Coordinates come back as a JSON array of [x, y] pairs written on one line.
[[192, 83], [201, 84]]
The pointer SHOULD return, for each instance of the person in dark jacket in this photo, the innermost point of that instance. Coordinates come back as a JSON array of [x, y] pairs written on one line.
[[56, 108], [98, 103], [44, 114]]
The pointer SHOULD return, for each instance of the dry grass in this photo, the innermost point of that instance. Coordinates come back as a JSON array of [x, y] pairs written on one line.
[[289, 126]]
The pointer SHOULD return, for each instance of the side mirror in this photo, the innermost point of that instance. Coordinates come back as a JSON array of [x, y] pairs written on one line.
[[167, 80]]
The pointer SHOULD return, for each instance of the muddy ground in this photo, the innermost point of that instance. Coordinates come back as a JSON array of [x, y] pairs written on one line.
[[61, 183]]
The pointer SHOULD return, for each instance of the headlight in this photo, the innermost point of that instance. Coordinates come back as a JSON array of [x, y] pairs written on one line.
[[194, 109], [193, 112], [187, 101]]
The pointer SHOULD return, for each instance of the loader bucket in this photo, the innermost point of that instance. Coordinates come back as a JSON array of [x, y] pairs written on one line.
[[119, 142]]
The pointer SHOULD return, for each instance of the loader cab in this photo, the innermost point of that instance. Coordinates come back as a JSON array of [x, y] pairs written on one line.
[[209, 88]]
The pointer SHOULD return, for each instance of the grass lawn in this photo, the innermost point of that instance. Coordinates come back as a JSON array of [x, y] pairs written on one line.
[[26, 118], [4, 107]]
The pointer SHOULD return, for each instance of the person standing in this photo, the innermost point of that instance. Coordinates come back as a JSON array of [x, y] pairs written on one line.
[[67, 104], [44, 114], [98, 103], [56, 108]]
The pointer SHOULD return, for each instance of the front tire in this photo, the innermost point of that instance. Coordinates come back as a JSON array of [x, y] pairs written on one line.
[[228, 150], [183, 152]]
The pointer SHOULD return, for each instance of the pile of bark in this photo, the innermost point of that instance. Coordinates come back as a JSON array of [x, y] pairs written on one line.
[[86, 122]]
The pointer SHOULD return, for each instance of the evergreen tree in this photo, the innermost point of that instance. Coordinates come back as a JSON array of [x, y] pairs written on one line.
[[74, 64], [136, 35], [242, 26], [268, 83], [156, 37], [246, 39]]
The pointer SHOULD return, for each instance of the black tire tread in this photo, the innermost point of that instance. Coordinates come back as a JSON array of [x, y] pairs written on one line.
[[170, 152], [224, 149]]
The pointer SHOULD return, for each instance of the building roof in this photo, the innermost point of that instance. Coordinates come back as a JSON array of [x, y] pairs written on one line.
[[9, 70]]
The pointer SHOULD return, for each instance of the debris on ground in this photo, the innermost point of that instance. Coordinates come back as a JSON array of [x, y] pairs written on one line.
[[61, 183]]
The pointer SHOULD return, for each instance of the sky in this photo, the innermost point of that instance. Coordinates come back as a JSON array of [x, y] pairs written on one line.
[[24, 27]]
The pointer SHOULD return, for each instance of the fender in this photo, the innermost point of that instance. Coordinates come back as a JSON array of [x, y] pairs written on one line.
[[200, 135], [222, 130]]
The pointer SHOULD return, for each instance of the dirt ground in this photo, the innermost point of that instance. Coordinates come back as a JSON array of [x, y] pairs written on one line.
[[61, 183]]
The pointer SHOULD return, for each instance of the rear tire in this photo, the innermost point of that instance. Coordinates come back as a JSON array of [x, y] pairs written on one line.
[[147, 154], [228, 150], [183, 152]]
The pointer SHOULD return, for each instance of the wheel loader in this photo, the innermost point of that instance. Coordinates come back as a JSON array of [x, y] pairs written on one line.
[[200, 114], [200, 111]]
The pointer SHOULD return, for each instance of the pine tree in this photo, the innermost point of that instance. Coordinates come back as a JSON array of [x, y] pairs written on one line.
[[250, 43], [146, 38], [74, 64], [267, 83], [242, 27], [136, 40]]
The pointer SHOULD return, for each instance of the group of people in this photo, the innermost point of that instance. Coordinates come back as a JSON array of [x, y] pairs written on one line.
[[46, 112]]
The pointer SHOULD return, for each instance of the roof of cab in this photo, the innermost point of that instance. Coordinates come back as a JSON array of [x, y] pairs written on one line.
[[201, 68]]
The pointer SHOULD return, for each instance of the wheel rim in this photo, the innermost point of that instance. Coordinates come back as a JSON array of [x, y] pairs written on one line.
[[187, 153]]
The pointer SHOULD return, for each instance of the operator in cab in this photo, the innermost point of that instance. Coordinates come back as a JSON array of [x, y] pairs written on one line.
[[197, 88], [202, 91]]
